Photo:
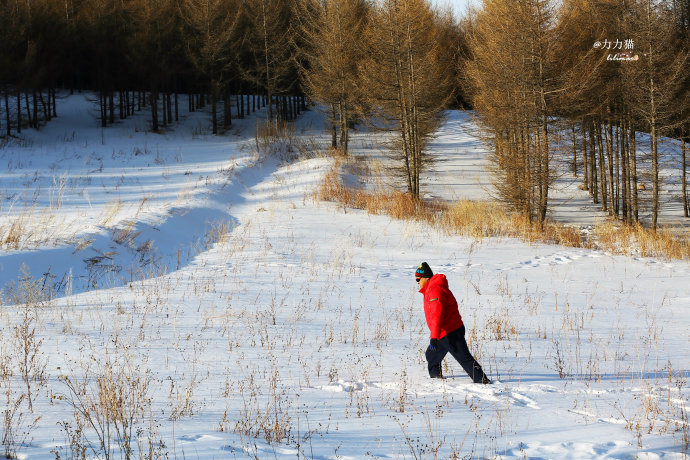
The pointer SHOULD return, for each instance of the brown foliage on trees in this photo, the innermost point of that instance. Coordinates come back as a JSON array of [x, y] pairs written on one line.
[[212, 43], [407, 79], [512, 80], [332, 31]]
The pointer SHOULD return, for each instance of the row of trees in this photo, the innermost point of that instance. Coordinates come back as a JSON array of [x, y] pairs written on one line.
[[393, 60], [143, 53], [601, 70]]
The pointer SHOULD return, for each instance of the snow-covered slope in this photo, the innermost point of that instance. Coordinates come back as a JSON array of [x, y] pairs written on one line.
[[291, 327]]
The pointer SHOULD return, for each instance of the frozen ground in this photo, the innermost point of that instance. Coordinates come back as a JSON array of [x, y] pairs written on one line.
[[203, 291]]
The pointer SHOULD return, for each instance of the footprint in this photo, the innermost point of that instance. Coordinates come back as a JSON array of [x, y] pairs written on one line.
[[524, 401]]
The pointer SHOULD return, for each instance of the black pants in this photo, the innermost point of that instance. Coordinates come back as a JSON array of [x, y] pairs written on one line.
[[455, 344]]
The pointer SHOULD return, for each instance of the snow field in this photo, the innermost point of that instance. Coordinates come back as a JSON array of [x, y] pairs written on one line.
[[295, 329]]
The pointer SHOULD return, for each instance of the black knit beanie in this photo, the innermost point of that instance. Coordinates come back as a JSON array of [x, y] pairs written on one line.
[[424, 271]]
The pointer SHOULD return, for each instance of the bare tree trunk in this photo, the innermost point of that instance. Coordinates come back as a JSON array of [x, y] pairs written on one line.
[[269, 85], [19, 112], [238, 109], [111, 106], [622, 144], [7, 112], [655, 176], [684, 181], [623, 148], [585, 157], [164, 111], [343, 127], [46, 107], [104, 109], [594, 178], [414, 120], [29, 118], [617, 167], [214, 110], [602, 166], [528, 177], [404, 130], [154, 109], [633, 173], [228, 111], [334, 130], [35, 100], [608, 133], [241, 97], [572, 128]]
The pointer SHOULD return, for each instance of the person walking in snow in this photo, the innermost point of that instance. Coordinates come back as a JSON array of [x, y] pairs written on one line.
[[446, 326]]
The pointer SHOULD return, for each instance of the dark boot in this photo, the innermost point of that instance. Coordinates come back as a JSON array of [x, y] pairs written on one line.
[[434, 358], [435, 372]]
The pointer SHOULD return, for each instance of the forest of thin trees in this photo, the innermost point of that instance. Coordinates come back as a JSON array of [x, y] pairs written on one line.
[[596, 71], [539, 74]]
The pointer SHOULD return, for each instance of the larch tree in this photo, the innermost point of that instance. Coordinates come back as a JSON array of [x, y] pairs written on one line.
[[331, 31], [154, 41], [271, 46], [212, 43], [683, 19], [654, 83], [591, 37], [407, 79], [512, 79]]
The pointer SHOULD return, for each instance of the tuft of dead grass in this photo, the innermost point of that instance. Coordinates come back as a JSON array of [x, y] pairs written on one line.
[[636, 240]]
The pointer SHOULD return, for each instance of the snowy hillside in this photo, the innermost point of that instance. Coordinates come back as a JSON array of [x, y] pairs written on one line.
[[207, 306]]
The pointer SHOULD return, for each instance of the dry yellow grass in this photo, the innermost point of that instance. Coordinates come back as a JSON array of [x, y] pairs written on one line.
[[481, 219], [471, 218], [639, 241]]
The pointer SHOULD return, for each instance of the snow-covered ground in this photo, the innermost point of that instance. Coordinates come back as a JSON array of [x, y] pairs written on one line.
[[203, 291]]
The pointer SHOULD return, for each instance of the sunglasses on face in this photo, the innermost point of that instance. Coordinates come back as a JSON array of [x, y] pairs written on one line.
[[417, 279]]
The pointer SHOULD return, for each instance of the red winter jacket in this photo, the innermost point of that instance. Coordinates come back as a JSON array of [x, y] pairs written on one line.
[[440, 307]]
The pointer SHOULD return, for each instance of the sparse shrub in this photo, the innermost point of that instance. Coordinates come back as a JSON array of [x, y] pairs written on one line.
[[182, 399], [276, 139], [265, 415], [75, 440], [15, 428], [31, 296], [112, 403], [501, 327], [559, 360]]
